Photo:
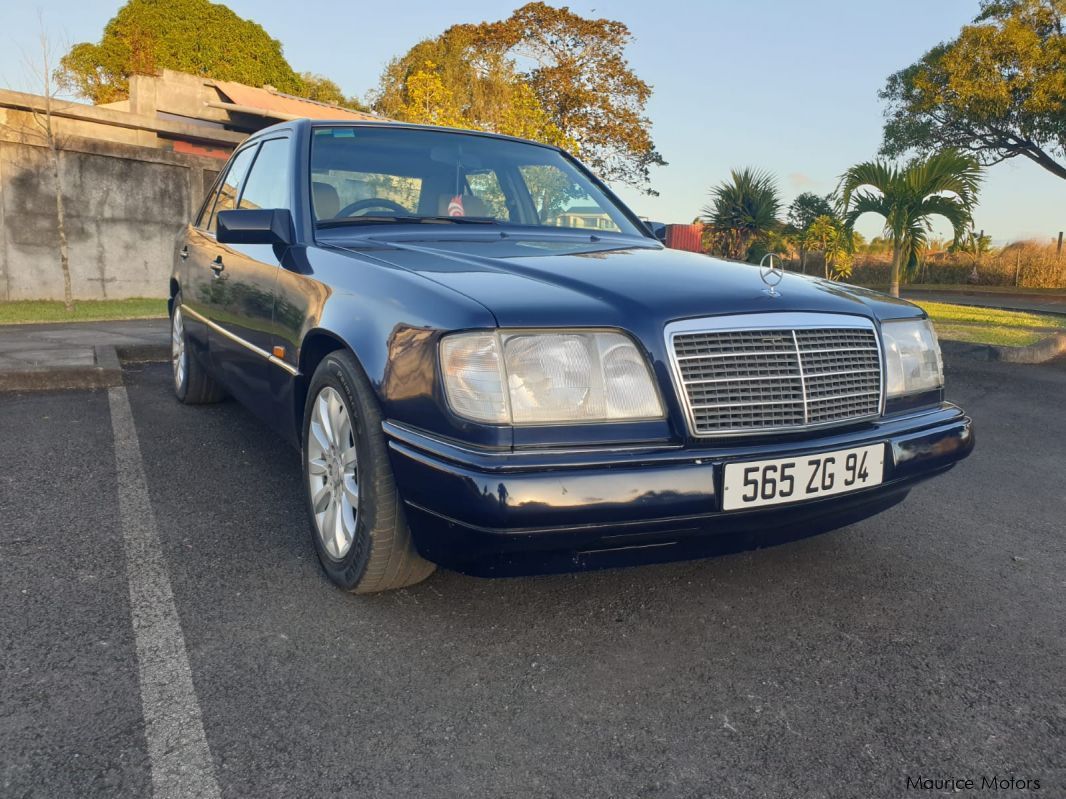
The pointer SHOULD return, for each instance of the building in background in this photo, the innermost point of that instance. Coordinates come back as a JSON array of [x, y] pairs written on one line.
[[132, 173], [591, 217]]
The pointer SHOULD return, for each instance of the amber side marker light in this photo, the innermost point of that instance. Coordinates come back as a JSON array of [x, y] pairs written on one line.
[[279, 352]]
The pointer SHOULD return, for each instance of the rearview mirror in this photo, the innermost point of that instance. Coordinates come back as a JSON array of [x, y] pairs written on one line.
[[255, 226]]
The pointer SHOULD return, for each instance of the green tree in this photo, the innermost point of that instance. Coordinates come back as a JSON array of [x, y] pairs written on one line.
[[781, 240], [801, 214], [973, 244], [945, 184], [323, 90], [807, 207], [544, 73], [878, 245], [742, 210], [194, 36], [828, 235], [998, 90]]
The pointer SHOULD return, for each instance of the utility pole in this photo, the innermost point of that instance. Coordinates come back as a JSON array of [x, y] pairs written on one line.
[[1059, 250]]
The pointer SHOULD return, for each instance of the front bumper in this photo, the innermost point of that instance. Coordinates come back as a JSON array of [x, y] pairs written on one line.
[[490, 512]]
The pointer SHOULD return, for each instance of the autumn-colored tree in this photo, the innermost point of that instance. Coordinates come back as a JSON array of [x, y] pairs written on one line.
[[425, 99], [998, 90], [448, 87], [543, 73]]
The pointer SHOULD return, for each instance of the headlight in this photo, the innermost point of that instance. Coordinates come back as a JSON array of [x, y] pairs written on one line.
[[547, 377], [912, 357]]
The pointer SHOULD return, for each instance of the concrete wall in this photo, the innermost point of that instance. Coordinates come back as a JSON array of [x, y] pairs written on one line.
[[125, 205]]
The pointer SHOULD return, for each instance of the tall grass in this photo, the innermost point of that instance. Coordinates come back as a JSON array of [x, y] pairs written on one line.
[[1026, 264]]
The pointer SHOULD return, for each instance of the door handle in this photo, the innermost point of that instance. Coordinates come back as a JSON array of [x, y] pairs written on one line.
[[217, 266], [184, 253]]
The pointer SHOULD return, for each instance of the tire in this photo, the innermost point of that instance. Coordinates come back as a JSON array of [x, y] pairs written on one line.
[[357, 520], [192, 384]]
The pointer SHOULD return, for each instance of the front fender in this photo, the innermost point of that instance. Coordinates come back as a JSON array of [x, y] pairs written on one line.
[[391, 320]]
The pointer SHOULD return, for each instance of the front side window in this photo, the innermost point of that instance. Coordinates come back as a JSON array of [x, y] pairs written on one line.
[[368, 174], [231, 186], [562, 202], [209, 178], [267, 185], [484, 187]]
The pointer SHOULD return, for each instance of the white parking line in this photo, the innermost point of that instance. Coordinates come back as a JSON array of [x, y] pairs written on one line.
[[181, 761]]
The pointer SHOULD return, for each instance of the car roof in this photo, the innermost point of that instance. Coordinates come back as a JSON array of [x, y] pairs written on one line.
[[297, 124]]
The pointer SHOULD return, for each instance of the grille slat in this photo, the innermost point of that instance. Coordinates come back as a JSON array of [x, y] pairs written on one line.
[[739, 381], [735, 354]]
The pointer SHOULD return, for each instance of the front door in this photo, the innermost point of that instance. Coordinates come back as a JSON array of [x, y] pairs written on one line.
[[244, 279], [208, 290], [201, 287]]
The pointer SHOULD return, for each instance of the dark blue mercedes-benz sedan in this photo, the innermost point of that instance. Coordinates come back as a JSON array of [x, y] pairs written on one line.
[[485, 357]]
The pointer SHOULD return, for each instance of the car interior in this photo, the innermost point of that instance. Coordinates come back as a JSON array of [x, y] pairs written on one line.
[[362, 172]]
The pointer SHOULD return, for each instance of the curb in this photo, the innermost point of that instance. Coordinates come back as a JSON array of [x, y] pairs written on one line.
[[106, 372], [143, 353], [1040, 352]]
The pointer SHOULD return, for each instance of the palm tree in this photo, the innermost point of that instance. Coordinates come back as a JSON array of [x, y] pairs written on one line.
[[742, 210], [827, 234], [944, 184]]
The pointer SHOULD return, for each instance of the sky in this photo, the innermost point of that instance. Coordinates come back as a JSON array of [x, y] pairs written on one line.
[[786, 86]]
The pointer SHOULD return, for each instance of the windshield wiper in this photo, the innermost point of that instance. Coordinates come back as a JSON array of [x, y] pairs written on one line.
[[409, 220]]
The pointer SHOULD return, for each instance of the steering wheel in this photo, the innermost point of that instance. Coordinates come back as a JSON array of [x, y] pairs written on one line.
[[371, 202]]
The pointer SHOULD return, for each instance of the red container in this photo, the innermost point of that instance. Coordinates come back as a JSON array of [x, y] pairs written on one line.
[[685, 237]]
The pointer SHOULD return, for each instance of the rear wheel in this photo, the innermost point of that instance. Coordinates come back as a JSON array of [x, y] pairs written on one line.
[[359, 529], [192, 384]]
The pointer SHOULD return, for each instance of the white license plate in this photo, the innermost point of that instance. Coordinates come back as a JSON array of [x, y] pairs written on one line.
[[749, 485]]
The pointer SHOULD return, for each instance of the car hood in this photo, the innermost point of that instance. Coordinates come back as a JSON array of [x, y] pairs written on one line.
[[557, 281]]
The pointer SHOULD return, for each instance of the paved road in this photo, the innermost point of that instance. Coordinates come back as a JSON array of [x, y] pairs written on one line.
[[72, 344], [928, 641]]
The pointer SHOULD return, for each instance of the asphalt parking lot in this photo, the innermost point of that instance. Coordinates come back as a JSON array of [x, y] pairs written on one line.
[[929, 641]]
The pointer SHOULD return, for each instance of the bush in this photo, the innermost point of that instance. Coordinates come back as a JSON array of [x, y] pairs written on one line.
[[1027, 264]]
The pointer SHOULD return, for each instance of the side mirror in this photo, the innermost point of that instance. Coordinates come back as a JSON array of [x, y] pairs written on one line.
[[255, 226], [657, 229]]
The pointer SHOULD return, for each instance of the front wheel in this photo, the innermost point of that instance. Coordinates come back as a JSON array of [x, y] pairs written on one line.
[[360, 533]]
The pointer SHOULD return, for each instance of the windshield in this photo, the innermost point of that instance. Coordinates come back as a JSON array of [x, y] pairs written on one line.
[[368, 175]]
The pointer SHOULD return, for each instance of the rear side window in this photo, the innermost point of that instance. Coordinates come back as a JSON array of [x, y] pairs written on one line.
[[267, 185], [231, 186]]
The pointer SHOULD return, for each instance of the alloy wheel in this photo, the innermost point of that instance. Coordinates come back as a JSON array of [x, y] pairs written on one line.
[[332, 473], [177, 349]]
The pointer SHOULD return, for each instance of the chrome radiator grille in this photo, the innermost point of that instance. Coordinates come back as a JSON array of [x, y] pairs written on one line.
[[803, 370]]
